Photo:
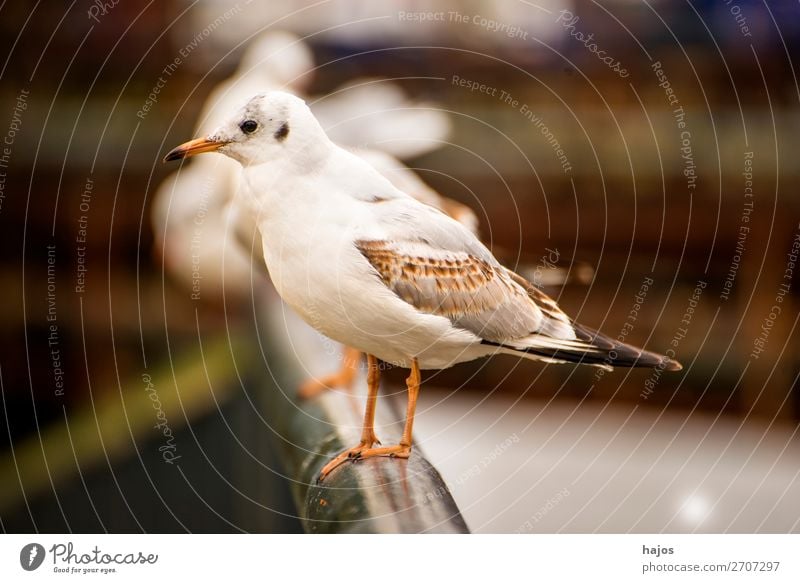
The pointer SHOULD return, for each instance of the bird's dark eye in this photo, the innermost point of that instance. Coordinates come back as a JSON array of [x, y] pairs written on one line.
[[248, 126]]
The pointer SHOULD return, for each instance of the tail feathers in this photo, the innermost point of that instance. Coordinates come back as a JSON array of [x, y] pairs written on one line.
[[592, 348]]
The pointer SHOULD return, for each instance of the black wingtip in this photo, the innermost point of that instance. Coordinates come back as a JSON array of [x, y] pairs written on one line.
[[609, 353]]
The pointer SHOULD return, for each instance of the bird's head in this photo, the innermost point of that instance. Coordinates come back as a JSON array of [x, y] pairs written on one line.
[[269, 126]]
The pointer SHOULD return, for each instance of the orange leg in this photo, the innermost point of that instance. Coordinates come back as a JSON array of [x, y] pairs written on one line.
[[343, 377], [364, 449]]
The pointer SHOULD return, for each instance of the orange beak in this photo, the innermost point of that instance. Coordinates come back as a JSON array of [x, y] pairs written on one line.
[[193, 147]]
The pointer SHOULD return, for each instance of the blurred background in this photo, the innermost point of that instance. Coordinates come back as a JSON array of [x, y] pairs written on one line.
[[652, 143]]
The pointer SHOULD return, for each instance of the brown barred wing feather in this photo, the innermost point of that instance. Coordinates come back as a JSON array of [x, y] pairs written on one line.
[[474, 294]]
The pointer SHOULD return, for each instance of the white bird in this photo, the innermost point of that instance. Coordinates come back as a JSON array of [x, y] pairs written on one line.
[[373, 268]]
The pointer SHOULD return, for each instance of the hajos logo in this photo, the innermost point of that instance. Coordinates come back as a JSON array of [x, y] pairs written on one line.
[[31, 556]]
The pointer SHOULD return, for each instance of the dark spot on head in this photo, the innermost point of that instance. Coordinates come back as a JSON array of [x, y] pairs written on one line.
[[282, 132]]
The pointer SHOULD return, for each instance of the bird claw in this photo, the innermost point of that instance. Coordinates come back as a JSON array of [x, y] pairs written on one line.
[[362, 452]]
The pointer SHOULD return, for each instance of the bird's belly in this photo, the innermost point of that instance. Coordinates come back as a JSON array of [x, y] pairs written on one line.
[[396, 338], [361, 312]]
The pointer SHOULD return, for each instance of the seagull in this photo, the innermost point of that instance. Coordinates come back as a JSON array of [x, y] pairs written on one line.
[[371, 267]]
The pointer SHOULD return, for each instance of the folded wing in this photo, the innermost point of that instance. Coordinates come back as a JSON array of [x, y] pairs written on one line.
[[497, 305], [472, 292]]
